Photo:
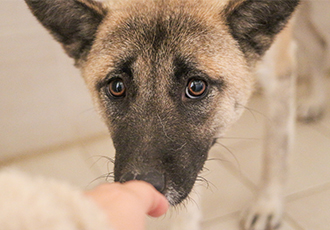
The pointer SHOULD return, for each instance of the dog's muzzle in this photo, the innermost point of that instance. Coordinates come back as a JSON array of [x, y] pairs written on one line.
[[154, 178]]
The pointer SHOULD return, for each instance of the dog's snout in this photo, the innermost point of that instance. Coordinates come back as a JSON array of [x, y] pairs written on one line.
[[155, 178]]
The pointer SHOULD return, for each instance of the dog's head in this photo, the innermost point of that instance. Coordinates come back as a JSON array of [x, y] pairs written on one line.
[[168, 77]]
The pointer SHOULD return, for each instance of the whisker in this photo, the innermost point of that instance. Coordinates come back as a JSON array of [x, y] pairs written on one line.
[[205, 169], [109, 160], [106, 176], [191, 199], [109, 175], [252, 111], [218, 159], [235, 158], [214, 159], [204, 182]]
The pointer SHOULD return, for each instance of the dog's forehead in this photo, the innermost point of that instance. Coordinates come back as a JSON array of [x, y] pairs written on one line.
[[158, 27], [156, 35]]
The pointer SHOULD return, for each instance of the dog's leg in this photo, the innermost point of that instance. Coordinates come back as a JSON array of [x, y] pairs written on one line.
[[266, 211], [311, 62]]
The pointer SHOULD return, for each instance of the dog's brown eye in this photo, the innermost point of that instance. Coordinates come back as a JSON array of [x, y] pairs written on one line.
[[195, 88], [117, 87]]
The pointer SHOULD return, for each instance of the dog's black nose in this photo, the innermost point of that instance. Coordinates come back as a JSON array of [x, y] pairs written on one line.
[[153, 177]]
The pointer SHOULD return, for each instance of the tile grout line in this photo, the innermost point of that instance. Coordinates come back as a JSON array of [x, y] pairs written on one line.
[[307, 192], [50, 150], [234, 168], [238, 174], [94, 166], [321, 129], [287, 218], [292, 222], [222, 218], [241, 177]]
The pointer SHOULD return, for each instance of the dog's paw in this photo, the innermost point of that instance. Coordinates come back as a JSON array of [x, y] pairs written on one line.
[[310, 110], [264, 214]]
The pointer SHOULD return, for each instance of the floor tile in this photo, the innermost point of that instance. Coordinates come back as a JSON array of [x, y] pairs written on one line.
[[231, 222], [310, 163], [244, 160], [225, 194], [312, 212], [67, 165], [99, 156]]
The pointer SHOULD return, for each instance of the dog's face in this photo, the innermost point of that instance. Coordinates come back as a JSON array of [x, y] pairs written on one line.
[[162, 82], [168, 77]]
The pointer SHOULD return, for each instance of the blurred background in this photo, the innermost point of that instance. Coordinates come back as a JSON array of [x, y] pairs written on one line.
[[48, 127]]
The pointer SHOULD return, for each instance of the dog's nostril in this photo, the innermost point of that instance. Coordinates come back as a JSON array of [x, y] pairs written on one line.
[[154, 178]]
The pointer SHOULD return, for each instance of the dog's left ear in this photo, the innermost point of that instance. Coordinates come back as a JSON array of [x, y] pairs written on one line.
[[255, 23], [73, 23]]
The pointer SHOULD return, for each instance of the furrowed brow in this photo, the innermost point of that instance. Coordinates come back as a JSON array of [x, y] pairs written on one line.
[[122, 67]]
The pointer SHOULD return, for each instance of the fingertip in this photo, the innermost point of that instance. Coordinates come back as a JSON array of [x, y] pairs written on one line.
[[161, 206], [156, 203]]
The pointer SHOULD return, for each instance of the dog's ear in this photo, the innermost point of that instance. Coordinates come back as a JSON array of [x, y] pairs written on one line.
[[255, 23], [72, 22]]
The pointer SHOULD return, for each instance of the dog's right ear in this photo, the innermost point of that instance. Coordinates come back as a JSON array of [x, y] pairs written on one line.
[[71, 22], [255, 23]]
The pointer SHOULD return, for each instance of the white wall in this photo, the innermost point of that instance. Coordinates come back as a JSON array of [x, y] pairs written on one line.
[[43, 100]]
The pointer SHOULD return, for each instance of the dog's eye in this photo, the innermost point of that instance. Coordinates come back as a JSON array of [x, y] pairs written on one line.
[[117, 87], [195, 88]]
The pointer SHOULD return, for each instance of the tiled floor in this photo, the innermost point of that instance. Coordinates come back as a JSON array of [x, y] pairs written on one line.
[[233, 171]]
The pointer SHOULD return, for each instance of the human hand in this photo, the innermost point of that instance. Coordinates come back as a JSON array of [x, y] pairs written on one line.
[[126, 205]]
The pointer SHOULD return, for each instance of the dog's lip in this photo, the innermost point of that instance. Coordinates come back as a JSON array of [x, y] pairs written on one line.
[[172, 197]]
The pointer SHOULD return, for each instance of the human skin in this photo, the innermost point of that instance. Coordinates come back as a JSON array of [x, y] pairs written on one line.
[[127, 205]]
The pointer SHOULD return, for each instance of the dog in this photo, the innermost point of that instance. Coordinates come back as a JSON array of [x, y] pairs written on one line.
[[169, 77]]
